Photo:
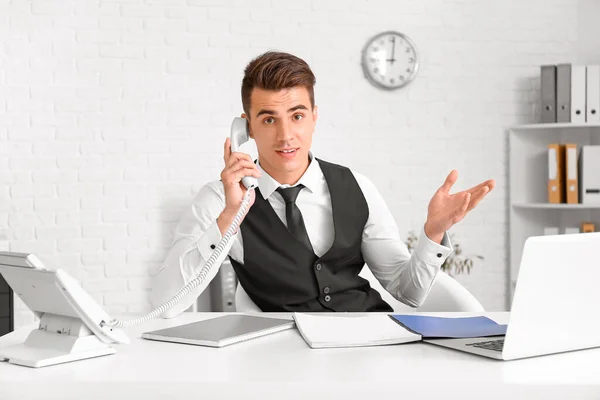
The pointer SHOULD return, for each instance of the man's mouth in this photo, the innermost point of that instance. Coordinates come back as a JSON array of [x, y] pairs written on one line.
[[287, 154], [287, 151]]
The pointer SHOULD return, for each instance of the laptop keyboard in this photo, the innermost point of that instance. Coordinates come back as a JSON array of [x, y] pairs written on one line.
[[495, 345]]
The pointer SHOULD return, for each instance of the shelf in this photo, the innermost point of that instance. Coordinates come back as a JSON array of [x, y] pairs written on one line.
[[529, 211], [562, 125], [552, 206]]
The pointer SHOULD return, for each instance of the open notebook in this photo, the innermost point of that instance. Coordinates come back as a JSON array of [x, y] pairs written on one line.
[[348, 330], [323, 331]]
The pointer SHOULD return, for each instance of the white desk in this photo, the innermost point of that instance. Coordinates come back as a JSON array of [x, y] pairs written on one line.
[[283, 366]]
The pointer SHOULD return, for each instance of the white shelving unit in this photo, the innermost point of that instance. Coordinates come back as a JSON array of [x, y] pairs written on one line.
[[529, 210]]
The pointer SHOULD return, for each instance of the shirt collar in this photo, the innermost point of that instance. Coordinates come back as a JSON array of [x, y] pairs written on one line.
[[310, 179]]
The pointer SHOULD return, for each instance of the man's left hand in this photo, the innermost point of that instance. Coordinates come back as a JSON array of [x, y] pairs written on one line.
[[447, 209]]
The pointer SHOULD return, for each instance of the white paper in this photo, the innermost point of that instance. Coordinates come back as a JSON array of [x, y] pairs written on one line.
[[572, 163], [321, 331], [552, 167]]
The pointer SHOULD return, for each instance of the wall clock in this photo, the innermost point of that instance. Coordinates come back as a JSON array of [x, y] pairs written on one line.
[[390, 60]]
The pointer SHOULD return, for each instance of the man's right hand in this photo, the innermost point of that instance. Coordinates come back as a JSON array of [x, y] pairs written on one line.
[[237, 166]]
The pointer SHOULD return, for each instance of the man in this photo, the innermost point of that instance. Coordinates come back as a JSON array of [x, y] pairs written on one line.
[[312, 224]]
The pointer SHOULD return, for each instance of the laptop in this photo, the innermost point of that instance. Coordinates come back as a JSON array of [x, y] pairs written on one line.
[[555, 304], [221, 331]]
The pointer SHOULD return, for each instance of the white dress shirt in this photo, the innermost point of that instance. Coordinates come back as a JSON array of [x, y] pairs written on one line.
[[407, 277]]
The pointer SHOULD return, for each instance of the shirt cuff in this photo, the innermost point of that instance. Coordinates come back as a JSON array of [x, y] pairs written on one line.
[[209, 241], [431, 252]]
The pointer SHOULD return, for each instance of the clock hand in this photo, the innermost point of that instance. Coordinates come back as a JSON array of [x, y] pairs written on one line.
[[391, 60]]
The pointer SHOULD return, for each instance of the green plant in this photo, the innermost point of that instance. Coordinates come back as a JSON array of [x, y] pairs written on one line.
[[456, 263]]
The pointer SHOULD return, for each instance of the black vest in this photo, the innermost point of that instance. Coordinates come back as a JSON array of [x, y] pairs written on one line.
[[280, 274]]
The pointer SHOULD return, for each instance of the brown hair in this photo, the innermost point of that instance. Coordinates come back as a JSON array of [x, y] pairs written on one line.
[[276, 71]]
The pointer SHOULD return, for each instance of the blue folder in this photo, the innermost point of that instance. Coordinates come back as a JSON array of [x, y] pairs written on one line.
[[441, 327]]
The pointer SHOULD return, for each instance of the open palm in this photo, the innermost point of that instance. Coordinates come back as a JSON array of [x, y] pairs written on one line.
[[446, 209]]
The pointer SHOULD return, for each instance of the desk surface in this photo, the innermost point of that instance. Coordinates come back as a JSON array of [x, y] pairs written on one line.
[[284, 361]]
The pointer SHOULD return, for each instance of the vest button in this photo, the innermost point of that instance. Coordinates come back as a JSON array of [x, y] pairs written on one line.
[[327, 298], [318, 266], [326, 290]]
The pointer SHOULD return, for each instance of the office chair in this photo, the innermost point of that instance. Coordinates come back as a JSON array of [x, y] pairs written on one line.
[[446, 295]]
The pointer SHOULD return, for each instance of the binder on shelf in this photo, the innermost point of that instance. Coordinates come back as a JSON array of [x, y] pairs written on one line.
[[572, 230], [589, 167], [563, 93], [548, 93], [556, 161], [593, 94], [572, 181], [578, 112], [551, 230], [587, 227]]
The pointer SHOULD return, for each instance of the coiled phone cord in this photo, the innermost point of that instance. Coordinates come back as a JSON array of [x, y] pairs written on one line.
[[197, 281]]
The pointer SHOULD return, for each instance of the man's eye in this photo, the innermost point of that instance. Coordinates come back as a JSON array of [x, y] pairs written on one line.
[[269, 120], [298, 117]]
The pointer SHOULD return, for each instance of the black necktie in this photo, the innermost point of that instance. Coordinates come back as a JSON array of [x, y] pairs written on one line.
[[295, 222]]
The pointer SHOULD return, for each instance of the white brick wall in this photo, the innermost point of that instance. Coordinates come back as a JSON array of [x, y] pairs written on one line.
[[113, 114]]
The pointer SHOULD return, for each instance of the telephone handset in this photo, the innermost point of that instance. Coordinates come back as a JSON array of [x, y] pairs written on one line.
[[240, 135]]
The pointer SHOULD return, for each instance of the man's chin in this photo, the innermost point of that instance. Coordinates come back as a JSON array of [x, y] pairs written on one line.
[[287, 166]]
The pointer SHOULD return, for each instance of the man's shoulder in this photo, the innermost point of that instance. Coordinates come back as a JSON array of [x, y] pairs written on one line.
[[360, 178], [214, 185], [329, 164], [212, 190]]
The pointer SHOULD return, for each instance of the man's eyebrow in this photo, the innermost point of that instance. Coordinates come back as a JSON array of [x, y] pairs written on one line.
[[298, 107], [261, 112], [271, 112]]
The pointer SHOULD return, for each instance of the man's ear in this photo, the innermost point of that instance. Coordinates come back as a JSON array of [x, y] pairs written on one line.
[[315, 114], [249, 129]]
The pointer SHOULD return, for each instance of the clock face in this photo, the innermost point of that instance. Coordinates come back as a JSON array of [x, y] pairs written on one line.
[[390, 60]]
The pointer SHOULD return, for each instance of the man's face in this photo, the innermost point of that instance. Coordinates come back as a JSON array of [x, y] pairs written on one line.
[[282, 124]]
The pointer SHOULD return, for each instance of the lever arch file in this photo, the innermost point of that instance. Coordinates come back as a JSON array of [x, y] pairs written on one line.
[[578, 112], [556, 161], [563, 93], [593, 94], [572, 178], [548, 93]]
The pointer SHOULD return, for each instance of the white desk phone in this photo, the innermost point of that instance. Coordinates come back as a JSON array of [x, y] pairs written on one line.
[[72, 325]]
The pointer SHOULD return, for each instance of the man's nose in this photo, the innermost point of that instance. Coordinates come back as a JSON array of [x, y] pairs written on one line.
[[284, 130]]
